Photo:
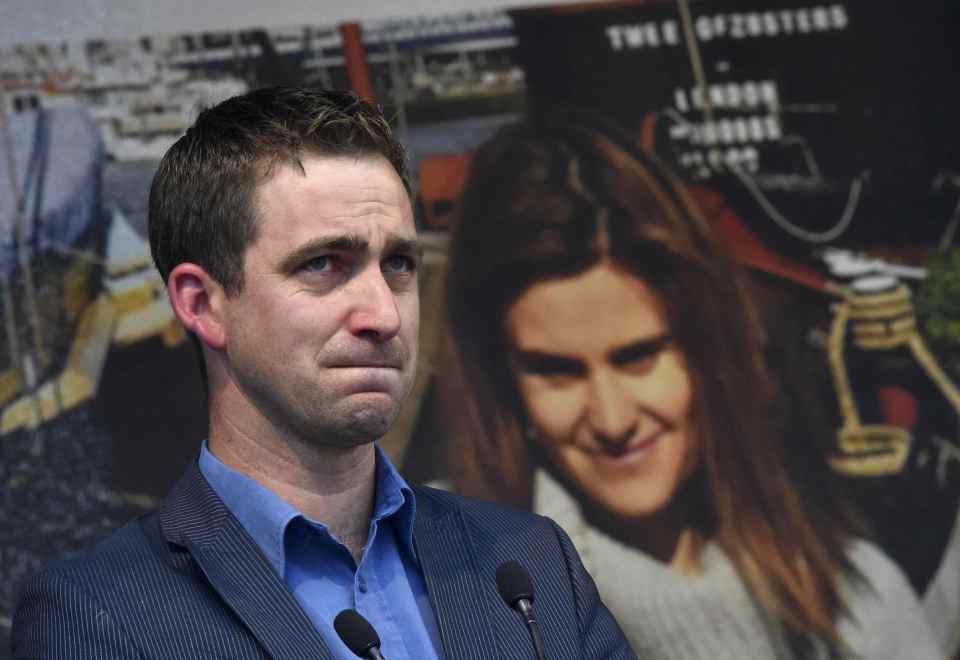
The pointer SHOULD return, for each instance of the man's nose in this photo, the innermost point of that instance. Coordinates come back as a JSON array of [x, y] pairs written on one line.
[[611, 414], [375, 313]]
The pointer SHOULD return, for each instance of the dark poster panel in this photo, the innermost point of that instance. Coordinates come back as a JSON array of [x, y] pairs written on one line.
[[839, 117]]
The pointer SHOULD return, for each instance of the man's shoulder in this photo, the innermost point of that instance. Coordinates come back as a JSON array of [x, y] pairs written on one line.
[[491, 525], [440, 501], [82, 598], [482, 535], [127, 554], [108, 601]]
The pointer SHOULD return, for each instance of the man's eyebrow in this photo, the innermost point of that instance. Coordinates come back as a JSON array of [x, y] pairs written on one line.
[[394, 244], [339, 242], [640, 349], [402, 245]]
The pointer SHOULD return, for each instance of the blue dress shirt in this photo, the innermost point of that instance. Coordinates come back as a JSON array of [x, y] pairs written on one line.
[[387, 586]]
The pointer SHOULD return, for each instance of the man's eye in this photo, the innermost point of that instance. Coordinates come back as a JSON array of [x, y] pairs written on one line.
[[319, 264], [399, 264]]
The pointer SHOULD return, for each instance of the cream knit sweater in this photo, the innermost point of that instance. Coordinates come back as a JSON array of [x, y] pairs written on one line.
[[711, 616]]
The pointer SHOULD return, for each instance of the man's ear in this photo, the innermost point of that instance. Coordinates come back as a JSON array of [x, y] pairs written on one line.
[[198, 301]]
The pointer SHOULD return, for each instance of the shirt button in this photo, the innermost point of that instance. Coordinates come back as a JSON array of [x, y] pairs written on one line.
[[362, 585]]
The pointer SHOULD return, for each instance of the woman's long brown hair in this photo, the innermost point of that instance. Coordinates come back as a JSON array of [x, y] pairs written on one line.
[[539, 199]]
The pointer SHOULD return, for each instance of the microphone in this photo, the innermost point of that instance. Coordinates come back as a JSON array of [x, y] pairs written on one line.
[[516, 589], [357, 633]]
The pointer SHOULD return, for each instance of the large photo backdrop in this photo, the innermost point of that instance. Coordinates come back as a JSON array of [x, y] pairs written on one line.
[[815, 283]]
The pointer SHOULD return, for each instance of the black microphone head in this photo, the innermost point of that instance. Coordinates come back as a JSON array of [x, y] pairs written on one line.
[[356, 632], [514, 583]]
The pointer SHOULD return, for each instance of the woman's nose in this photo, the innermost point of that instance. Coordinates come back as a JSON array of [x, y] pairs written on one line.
[[612, 414]]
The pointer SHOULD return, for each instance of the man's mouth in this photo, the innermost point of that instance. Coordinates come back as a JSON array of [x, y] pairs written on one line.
[[389, 362]]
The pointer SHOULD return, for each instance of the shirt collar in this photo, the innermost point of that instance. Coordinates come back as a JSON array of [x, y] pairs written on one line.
[[266, 516], [394, 497]]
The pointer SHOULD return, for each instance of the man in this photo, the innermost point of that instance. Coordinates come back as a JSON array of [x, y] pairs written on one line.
[[282, 225]]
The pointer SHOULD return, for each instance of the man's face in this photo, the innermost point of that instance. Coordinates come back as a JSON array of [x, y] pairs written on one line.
[[322, 340]]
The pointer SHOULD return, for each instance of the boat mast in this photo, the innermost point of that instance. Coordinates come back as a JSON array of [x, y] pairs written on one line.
[[22, 358], [9, 314]]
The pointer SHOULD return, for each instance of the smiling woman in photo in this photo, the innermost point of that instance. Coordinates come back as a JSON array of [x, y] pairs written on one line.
[[609, 372]]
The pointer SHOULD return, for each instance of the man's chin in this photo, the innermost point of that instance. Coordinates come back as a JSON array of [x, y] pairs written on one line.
[[362, 424], [355, 419]]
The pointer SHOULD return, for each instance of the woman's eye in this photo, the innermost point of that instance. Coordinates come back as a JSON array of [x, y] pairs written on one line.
[[640, 364]]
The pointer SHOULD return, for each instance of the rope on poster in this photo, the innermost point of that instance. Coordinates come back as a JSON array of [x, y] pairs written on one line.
[[856, 186], [949, 179], [877, 321], [696, 61], [826, 236]]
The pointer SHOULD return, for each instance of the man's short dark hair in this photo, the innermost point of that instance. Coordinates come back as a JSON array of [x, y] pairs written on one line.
[[202, 201]]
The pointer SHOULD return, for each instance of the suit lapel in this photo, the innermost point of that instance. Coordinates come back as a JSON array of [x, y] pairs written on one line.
[[452, 577], [194, 517]]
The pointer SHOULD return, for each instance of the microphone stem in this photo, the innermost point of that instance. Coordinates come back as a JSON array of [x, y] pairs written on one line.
[[374, 654], [526, 609]]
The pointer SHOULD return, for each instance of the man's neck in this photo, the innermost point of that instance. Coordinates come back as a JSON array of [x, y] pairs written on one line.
[[331, 485]]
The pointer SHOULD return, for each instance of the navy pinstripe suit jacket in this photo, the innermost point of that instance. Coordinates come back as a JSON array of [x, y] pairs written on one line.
[[189, 582]]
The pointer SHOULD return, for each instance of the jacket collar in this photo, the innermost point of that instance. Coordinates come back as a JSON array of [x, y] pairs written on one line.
[[195, 518], [451, 572]]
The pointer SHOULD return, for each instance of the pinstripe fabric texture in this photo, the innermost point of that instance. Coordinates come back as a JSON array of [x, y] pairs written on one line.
[[189, 582]]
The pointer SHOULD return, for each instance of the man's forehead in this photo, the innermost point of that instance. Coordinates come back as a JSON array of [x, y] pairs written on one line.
[[360, 199], [347, 178]]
